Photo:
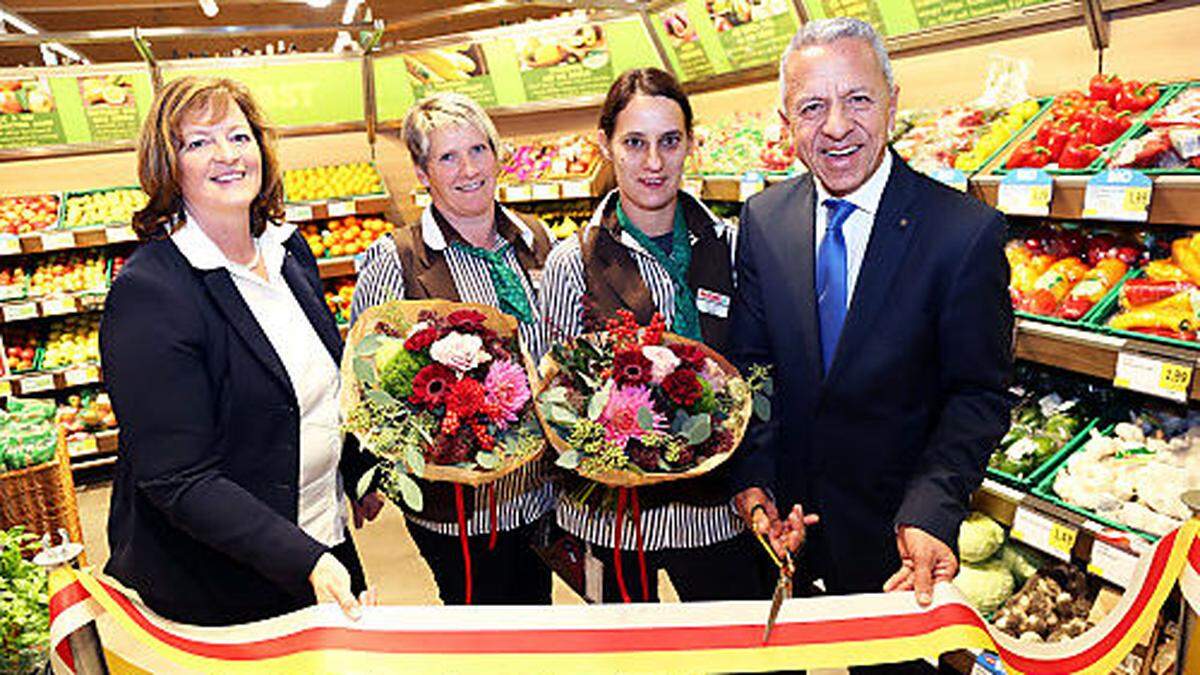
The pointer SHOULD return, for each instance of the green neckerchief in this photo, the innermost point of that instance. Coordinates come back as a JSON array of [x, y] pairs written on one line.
[[510, 293], [687, 319]]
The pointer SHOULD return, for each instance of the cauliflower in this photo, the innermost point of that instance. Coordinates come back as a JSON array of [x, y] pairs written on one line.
[[979, 537], [986, 585]]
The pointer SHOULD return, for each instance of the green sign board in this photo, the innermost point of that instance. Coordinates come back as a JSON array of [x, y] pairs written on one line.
[[293, 92], [707, 38], [462, 68], [51, 109], [897, 17]]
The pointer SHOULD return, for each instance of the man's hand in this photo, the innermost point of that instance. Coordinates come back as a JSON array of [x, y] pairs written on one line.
[[924, 561], [760, 514], [366, 509], [331, 583]]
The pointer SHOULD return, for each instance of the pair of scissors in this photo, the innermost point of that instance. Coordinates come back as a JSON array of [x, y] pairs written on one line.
[[783, 587]]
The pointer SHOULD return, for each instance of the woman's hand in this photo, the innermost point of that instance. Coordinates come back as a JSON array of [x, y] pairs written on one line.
[[331, 583]]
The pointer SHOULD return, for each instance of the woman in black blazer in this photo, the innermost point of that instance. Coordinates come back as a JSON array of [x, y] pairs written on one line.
[[221, 360]]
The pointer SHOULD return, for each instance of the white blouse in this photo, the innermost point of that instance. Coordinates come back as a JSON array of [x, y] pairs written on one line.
[[310, 368]]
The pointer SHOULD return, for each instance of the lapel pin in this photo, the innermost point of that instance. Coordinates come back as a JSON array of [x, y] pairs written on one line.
[[904, 222]]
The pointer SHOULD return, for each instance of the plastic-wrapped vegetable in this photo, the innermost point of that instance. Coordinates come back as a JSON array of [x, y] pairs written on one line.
[[986, 585]]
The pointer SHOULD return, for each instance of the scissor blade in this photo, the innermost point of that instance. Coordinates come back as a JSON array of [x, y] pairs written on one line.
[[776, 602]]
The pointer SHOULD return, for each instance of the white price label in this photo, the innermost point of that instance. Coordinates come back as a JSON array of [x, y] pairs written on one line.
[[1043, 533], [337, 209], [545, 191], [751, 184], [54, 241], [33, 384], [81, 375], [58, 306], [1155, 376], [297, 213], [20, 312], [1112, 563], [422, 199], [952, 177], [12, 292], [1025, 192], [10, 245], [694, 186], [518, 193], [1118, 194], [576, 189], [114, 235]]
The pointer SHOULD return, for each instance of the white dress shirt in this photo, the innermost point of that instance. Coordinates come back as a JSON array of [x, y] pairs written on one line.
[[857, 227], [310, 368]]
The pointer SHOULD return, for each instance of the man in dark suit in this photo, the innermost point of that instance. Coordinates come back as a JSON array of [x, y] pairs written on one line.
[[879, 298]]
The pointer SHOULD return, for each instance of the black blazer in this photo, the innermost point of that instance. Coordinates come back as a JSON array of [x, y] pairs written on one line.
[[203, 515], [899, 430]]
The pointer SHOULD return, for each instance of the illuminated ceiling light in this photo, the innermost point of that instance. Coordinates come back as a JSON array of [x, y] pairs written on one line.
[[351, 9], [209, 7], [319, 4]]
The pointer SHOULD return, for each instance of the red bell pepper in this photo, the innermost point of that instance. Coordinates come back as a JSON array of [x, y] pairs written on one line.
[[1185, 335], [1053, 136], [1106, 128], [1136, 97], [1028, 155], [1104, 87], [1138, 292], [1078, 155]]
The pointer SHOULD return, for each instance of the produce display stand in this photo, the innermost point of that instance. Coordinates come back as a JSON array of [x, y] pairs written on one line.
[[42, 497]]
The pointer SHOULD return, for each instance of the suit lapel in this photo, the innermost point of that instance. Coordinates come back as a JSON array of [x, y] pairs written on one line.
[[798, 245], [229, 301], [313, 307], [890, 238]]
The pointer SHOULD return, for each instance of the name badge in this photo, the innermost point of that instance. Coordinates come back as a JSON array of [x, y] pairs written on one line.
[[712, 302]]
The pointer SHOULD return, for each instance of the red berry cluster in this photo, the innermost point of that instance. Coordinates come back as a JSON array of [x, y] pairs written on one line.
[[624, 330]]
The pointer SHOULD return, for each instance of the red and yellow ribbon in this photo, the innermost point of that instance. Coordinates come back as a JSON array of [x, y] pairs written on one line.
[[822, 632]]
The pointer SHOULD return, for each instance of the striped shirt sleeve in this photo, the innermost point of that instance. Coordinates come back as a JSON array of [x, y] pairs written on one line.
[[380, 279], [563, 289]]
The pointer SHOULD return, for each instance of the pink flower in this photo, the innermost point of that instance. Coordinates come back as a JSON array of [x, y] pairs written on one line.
[[713, 373], [663, 362], [507, 392], [620, 416]]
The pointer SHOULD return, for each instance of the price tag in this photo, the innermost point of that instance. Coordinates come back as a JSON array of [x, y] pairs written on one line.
[[545, 191], [81, 375], [10, 245], [20, 312], [1043, 533], [694, 187], [1154, 375], [337, 209], [82, 446], [58, 306], [12, 292], [1112, 563], [1025, 192], [115, 235], [952, 177], [33, 384], [54, 241], [576, 189], [297, 213], [5, 388], [1118, 194], [518, 193], [751, 184]]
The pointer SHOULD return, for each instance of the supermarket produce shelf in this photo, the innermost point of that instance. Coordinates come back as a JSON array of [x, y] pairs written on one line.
[[1089, 352], [299, 212], [26, 309], [37, 382], [1173, 201], [341, 266], [64, 240]]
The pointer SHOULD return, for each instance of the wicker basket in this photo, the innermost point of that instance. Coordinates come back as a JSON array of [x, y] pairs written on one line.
[[42, 497]]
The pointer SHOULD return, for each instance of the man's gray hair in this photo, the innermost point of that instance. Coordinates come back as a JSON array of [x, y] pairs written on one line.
[[825, 31]]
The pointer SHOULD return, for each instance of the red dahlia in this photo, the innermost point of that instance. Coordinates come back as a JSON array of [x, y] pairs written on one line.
[[420, 341], [466, 398], [431, 384], [631, 367], [466, 321], [690, 356], [683, 387]]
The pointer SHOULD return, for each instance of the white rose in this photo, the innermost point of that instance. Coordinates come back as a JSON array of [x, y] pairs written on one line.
[[460, 351], [663, 362]]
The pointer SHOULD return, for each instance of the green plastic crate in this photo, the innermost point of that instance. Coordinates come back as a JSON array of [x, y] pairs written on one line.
[[1143, 129], [1109, 306], [1049, 464]]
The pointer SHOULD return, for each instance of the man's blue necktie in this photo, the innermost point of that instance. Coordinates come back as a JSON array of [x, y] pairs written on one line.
[[831, 278]]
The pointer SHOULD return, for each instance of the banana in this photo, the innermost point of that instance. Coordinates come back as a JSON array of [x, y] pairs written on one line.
[[438, 62]]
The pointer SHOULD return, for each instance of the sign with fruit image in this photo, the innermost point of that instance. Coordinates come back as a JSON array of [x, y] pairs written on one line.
[[110, 107], [27, 114], [678, 33], [566, 63], [462, 68], [752, 32]]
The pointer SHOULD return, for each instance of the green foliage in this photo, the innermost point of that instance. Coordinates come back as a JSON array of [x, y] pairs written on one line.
[[24, 606]]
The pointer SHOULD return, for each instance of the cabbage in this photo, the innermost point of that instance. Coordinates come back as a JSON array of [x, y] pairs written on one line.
[[986, 585], [1021, 561], [979, 537]]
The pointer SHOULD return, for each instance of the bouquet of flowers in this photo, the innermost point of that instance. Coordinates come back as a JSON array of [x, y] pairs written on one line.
[[439, 390], [636, 406]]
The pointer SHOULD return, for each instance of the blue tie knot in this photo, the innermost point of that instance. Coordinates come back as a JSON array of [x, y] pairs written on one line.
[[839, 211]]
